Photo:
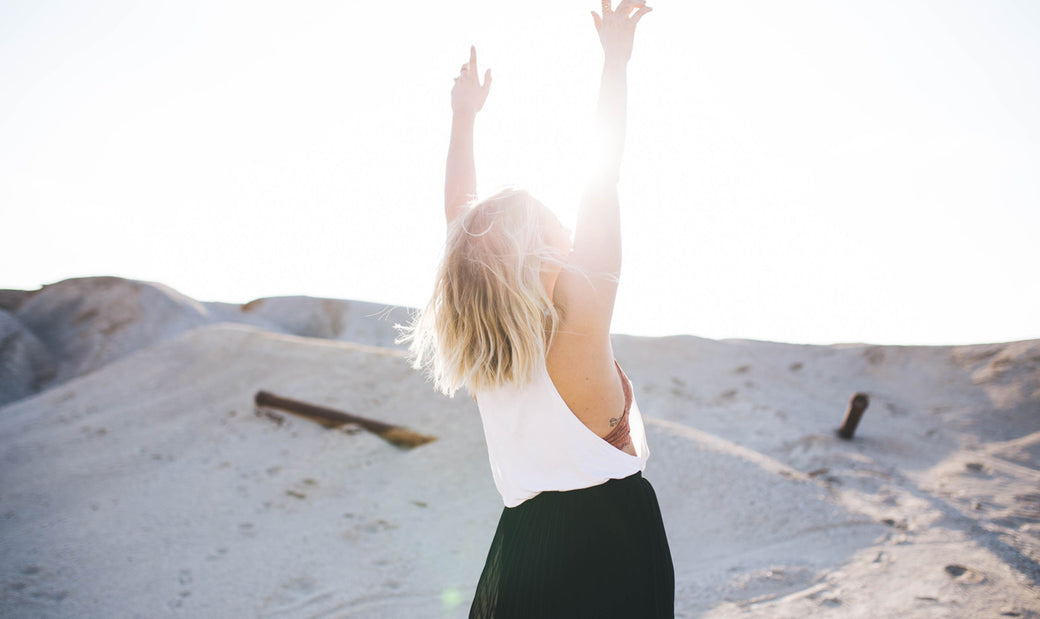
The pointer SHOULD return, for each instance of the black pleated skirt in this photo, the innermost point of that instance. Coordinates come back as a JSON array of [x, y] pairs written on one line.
[[595, 552]]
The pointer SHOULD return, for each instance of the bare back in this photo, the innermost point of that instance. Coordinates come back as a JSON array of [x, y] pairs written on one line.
[[589, 385], [581, 360]]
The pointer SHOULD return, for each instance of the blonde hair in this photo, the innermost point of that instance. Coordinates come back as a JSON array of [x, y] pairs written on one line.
[[490, 320]]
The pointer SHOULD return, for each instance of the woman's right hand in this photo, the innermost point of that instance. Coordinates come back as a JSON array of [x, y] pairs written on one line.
[[617, 28], [468, 95]]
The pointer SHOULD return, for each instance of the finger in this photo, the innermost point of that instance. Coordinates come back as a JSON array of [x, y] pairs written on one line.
[[487, 82], [626, 6], [473, 58], [640, 13], [465, 67], [605, 5], [596, 20]]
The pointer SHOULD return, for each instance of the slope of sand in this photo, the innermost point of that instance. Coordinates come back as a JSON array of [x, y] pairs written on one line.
[[151, 487], [85, 323]]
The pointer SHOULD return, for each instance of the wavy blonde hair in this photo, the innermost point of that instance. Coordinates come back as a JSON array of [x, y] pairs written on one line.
[[490, 320]]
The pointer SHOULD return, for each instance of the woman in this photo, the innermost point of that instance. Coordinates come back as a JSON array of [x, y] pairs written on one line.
[[520, 317]]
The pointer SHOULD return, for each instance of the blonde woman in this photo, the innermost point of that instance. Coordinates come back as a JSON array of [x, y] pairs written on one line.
[[520, 318]]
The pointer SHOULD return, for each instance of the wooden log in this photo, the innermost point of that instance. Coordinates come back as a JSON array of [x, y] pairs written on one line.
[[857, 405], [331, 418]]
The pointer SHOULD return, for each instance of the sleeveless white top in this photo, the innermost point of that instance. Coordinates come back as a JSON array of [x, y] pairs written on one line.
[[535, 443]]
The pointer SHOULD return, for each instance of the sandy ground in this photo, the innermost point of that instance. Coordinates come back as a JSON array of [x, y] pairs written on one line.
[[141, 481]]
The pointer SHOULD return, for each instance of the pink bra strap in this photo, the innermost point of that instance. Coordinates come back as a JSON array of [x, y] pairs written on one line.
[[619, 437]]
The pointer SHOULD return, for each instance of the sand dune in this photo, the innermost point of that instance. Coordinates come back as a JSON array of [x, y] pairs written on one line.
[[86, 323], [25, 364], [141, 482]]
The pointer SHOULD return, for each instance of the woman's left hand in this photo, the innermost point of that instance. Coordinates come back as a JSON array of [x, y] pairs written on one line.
[[468, 95]]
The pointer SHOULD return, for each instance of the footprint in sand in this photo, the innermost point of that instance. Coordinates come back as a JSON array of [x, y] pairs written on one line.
[[296, 595], [965, 575], [32, 584], [179, 600], [184, 578]]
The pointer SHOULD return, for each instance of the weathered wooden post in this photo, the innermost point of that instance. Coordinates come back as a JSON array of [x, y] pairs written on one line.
[[857, 405], [330, 418]]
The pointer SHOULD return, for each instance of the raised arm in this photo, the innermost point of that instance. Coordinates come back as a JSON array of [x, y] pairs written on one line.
[[460, 176], [589, 294], [616, 30], [581, 360]]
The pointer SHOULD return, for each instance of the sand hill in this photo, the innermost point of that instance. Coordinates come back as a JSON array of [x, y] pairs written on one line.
[[139, 480]]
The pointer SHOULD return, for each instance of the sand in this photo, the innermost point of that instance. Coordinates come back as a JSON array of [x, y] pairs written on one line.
[[139, 480]]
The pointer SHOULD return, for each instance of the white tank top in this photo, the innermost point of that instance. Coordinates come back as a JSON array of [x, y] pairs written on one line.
[[535, 443]]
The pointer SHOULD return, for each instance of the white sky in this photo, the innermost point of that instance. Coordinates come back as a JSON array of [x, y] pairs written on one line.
[[810, 171]]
